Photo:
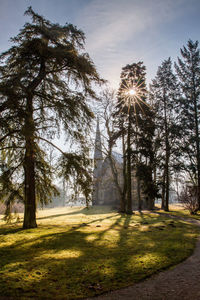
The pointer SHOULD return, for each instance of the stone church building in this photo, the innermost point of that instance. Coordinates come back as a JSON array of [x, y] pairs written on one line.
[[105, 191]]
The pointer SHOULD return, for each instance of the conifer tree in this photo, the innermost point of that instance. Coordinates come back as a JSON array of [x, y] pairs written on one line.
[[145, 157], [132, 114], [188, 71], [45, 83], [164, 93]]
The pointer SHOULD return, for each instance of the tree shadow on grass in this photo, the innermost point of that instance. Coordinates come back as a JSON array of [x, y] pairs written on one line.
[[145, 216], [67, 228], [10, 230], [95, 210], [82, 261]]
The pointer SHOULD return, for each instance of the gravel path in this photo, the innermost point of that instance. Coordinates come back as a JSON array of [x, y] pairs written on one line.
[[181, 282]]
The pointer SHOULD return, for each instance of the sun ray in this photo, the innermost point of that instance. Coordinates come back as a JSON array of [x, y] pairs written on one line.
[[132, 94]]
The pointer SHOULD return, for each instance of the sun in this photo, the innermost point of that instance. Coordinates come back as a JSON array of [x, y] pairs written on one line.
[[131, 92]]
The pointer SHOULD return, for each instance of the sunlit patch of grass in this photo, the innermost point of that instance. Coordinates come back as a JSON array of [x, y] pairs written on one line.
[[179, 211], [75, 252], [62, 254]]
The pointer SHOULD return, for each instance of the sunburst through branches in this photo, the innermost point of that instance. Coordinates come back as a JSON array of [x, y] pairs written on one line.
[[132, 94]]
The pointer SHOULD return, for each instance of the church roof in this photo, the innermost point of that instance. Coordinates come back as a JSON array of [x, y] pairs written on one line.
[[118, 157]]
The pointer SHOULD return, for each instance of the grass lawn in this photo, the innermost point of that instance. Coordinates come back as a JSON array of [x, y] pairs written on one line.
[[75, 252], [178, 210]]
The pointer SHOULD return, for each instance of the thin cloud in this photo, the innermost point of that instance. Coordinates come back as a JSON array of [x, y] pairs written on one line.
[[114, 22], [118, 31]]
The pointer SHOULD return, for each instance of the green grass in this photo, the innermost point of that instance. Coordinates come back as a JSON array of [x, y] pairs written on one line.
[[179, 211], [75, 253]]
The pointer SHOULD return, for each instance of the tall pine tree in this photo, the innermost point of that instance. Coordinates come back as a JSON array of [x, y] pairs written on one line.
[[188, 71], [164, 94], [132, 113]]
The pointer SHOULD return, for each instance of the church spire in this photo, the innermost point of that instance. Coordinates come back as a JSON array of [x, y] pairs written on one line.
[[98, 160], [98, 148]]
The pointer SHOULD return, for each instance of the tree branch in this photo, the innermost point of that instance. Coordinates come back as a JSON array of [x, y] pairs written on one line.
[[8, 134], [50, 143]]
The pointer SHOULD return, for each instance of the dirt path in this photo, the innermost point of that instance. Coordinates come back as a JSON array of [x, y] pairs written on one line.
[[181, 282]]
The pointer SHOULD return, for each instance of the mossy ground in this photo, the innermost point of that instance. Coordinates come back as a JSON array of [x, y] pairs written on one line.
[[75, 252]]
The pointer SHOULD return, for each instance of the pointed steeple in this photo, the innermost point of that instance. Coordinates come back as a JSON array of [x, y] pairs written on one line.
[[98, 160], [98, 148]]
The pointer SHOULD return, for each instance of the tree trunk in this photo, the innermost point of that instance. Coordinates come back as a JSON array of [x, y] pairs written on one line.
[[129, 190], [197, 149], [151, 199], [167, 155], [163, 191], [123, 200], [139, 194], [29, 169], [167, 182]]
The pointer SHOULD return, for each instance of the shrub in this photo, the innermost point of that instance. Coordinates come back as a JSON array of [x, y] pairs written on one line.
[[188, 197]]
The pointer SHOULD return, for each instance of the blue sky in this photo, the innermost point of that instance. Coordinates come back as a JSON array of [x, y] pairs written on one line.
[[117, 32]]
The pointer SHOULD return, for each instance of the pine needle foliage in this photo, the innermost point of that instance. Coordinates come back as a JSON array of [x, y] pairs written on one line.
[[165, 97], [188, 71], [46, 82]]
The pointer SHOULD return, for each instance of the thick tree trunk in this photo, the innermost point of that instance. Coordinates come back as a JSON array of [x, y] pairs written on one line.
[[151, 204], [29, 160], [29, 195], [129, 181], [29, 169]]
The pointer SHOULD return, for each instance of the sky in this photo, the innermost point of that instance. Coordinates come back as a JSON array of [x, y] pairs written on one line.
[[118, 32]]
